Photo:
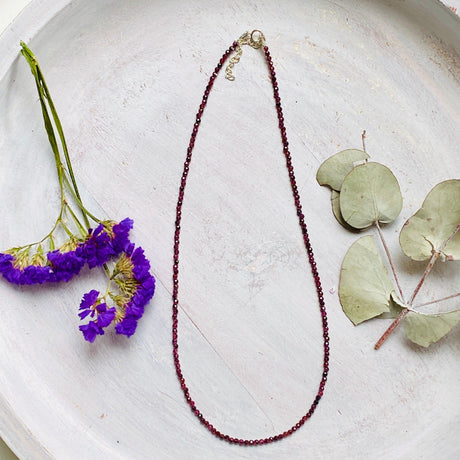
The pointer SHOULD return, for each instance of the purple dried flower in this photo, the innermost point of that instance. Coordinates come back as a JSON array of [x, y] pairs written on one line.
[[96, 250], [86, 304], [120, 240], [105, 242], [105, 315], [35, 274], [136, 287], [90, 306], [91, 331], [65, 264], [145, 288], [5, 262], [127, 326], [31, 274], [60, 266]]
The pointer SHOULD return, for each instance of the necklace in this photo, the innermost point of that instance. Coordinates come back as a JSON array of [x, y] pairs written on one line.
[[257, 41]]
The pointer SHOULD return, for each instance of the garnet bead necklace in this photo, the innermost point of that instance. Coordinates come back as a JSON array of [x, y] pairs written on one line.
[[257, 41]]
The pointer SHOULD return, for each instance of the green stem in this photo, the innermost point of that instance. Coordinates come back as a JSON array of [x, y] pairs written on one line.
[[47, 120], [80, 204], [107, 271], [48, 236], [45, 96], [58, 124], [79, 225]]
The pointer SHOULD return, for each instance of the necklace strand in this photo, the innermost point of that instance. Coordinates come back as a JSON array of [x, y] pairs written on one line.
[[256, 40]]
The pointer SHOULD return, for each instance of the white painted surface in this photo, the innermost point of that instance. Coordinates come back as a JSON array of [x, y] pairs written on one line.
[[9, 9], [127, 78]]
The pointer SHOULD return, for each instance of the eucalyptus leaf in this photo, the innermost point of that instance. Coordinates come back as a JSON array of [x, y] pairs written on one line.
[[424, 329], [365, 286], [432, 225], [335, 202], [370, 193], [396, 305], [332, 172]]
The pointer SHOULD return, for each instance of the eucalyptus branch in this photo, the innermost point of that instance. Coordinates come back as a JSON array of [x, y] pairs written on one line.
[[405, 311], [431, 302], [390, 260]]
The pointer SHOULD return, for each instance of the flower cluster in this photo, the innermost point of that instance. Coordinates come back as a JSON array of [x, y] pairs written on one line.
[[135, 287], [93, 247], [134, 284], [92, 305], [107, 240]]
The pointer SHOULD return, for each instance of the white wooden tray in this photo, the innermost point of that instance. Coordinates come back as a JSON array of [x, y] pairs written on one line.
[[127, 78]]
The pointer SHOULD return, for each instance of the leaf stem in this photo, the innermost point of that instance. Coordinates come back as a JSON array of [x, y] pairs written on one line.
[[390, 260], [431, 302], [405, 311], [363, 139]]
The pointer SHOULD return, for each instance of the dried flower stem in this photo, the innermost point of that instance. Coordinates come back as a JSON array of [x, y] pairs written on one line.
[[46, 101]]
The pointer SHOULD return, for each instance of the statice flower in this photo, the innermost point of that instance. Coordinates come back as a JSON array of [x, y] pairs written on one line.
[[91, 305], [107, 240], [17, 269], [120, 238], [134, 286], [131, 285], [139, 288], [65, 265], [96, 250], [65, 262]]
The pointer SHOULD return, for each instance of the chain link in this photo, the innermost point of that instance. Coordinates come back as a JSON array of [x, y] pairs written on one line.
[[256, 39]]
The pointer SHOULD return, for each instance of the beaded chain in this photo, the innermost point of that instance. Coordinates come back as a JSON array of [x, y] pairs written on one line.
[[256, 40]]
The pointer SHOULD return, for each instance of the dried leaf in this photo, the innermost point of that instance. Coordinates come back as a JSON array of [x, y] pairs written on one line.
[[370, 193], [333, 171], [335, 202], [431, 226], [424, 329], [395, 305], [365, 286]]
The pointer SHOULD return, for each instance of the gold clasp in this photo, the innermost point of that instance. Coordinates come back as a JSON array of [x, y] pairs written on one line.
[[256, 39]]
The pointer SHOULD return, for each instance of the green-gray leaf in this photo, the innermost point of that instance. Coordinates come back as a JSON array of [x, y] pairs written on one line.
[[396, 306], [424, 329], [370, 193], [335, 202], [333, 171], [432, 225], [365, 286]]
